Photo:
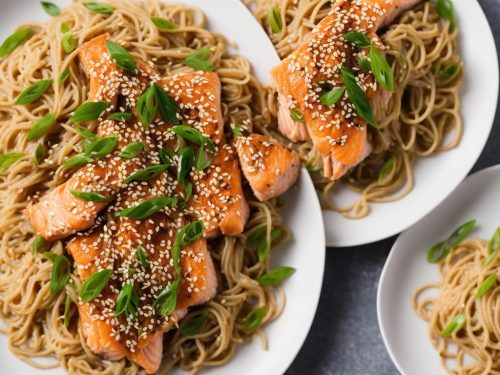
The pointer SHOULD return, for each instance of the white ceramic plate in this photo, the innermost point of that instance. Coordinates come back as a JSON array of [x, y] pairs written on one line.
[[437, 176], [306, 252], [404, 333]]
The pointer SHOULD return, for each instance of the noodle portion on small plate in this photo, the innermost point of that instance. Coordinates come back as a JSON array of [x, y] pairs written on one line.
[[421, 120], [129, 142], [438, 296]]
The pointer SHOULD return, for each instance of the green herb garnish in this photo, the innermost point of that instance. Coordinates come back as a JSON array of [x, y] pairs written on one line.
[[94, 284], [147, 105], [254, 319], [166, 106], [50, 8], [198, 60], [274, 20], [34, 92], [358, 97], [142, 257], [68, 42], [120, 116], [39, 152], [162, 24], [14, 41], [448, 71], [39, 244], [493, 248], [132, 150], [193, 324], [455, 325], [41, 127], [127, 301], [90, 196], [99, 8], [440, 250], [185, 164], [258, 240], [236, 129], [193, 135], [63, 77], [67, 308], [166, 156], [147, 208], [89, 111], [61, 269], [276, 276], [357, 38], [6, 160], [296, 115], [386, 170], [147, 173], [445, 10], [331, 97], [486, 285], [121, 57], [77, 161], [101, 147]]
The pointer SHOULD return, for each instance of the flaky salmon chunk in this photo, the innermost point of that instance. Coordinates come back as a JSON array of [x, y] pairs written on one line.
[[268, 166], [337, 131]]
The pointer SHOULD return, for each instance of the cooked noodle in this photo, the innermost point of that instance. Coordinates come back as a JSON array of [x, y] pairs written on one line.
[[33, 317], [475, 348], [423, 115]]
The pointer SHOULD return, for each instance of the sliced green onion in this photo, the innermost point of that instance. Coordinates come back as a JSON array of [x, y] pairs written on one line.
[[357, 38], [455, 325], [67, 307], [331, 97], [85, 133], [147, 173], [167, 156], [6, 160], [132, 150], [34, 92], [445, 10], [166, 106], [142, 257], [193, 135], [77, 161], [50, 8], [41, 127], [94, 284], [90, 196], [274, 20], [185, 164], [358, 97], [254, 319], [386, 170], [120, 116], [61, 269], [68, 42], [364, 64], [296, 115], [202, 160], [493, 248], [14, 41], [121, 57], [276, 276], [198, 60], [147, 208], [39, 245], [39, 152], [381, 69], [101, 147], [99, 8], [162, 24], [147, 105], [236, 129], [63, 77], [440, 250], [486, 285], [127, 301], [193, 324], [89, 111], [448, 71]]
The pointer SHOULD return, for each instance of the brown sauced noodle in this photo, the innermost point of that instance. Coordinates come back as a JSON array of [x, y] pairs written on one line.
[[33, 317], [474, 349], [422, 118]]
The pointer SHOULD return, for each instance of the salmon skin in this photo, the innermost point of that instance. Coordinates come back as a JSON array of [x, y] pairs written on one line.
[[337, 132]]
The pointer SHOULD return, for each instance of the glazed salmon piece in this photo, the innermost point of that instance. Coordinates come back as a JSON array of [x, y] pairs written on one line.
[[337, 132], [114, 246], [59, 214], [218, 199], [268, 166]]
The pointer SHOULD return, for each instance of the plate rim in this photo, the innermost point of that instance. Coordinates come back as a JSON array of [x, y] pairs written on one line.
[[392, 254]]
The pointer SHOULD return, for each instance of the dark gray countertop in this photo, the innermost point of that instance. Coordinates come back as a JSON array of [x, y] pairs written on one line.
[[345, 338]]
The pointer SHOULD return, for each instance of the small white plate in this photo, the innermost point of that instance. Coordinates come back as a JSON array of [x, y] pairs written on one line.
[[306, 251], [406, 269], [437, 176]]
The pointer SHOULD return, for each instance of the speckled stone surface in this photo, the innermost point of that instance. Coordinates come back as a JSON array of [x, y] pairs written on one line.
[[345, 338]]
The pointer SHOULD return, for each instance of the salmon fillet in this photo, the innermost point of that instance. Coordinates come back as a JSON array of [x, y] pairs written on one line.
[[113, 246], [268, 166], [337, 132]]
